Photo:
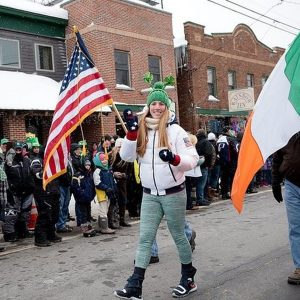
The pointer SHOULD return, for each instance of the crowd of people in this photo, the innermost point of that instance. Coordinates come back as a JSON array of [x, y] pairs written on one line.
[[97, 174]]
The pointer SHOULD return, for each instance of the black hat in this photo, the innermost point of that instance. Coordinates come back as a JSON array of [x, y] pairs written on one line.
[[18, 145], [74, 146], [87, 162]]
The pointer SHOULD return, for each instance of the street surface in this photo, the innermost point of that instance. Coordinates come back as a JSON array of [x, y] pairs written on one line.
[[238, 257]]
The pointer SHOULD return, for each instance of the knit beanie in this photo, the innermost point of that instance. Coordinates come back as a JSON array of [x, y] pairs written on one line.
[[98, 160], [158, 93]]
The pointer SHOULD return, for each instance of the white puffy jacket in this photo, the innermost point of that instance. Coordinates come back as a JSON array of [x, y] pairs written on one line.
[[156, 174]]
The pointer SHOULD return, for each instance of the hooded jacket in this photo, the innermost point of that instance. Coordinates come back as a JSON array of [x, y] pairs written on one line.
[[286, 162], [156, 174]]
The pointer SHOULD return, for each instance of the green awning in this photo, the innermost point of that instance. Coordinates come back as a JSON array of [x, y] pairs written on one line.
[[134, 107], [221, 112]]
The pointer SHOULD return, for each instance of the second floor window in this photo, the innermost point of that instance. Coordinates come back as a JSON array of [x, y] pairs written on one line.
[[231, 80], [9, 53], [122, 67], [44, 57], [212, 81], [250, 80], [154, 67]]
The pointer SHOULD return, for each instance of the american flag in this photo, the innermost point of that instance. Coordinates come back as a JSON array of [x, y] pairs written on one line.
[[82, 92]]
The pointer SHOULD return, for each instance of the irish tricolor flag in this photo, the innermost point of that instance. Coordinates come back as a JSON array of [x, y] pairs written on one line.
[[274, 120]]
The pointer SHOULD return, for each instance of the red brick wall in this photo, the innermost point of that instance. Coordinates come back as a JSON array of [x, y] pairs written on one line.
[[15, 127], [108, 25], [239, 51]]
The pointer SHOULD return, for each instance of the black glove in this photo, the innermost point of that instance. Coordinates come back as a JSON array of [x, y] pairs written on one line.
[[130, 119], [276, 189], [166, 155]]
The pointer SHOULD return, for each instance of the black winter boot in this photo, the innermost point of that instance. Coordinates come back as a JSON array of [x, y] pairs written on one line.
[[133, 289], [10, 237], [123, 223], [186, 284]]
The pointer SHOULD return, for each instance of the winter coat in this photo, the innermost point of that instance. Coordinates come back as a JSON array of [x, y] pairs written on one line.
[[286, 162], [206, 149], [19, 176], [228, 150], [77, 163], [104, 181], [52, 188], [156, 174], [66, 178], [83, 187]]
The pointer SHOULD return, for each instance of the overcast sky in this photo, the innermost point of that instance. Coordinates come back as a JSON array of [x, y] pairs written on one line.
[[219, 19]]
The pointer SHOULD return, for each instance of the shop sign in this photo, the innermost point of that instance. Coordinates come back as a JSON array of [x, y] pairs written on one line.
[[241, 99]]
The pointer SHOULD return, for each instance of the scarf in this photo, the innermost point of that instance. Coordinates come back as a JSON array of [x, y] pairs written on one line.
[[152, 123]]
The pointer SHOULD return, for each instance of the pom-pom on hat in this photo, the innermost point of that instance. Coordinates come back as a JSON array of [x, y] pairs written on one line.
[[158, 93], [158, 89]]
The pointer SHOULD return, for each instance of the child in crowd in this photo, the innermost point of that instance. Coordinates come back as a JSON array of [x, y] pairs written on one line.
[[83, 189], [106, 190]]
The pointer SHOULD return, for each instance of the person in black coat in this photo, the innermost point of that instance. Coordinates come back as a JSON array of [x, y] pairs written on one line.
[[47, 203], [206, 149], [21, 186]]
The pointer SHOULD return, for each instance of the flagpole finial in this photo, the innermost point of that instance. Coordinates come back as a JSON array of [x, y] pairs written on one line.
[[75, 29]]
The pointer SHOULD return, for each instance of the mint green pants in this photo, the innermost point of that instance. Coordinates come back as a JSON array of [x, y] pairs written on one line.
[[152, 210]]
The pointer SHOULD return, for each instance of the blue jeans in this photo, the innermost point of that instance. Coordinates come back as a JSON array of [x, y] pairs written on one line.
[[188, 234], [64, 201], [213, 177], [200, 186], [292, 203]]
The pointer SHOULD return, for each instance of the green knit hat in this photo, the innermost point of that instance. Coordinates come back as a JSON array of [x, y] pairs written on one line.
[[158, 93], [158, 89]]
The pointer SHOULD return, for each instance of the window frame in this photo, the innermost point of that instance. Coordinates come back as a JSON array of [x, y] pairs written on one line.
[[156, 76], [19, 54], [251, 79], [37, 61], [212, 84], [120, 69], [232, 86]]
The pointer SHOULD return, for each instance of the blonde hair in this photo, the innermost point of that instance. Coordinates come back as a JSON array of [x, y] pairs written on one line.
[[142, 138], [193, 139], [113, 156]]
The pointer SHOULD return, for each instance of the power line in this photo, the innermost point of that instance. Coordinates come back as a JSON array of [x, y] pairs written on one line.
[[252, 17], [263, 15], [291, 2]]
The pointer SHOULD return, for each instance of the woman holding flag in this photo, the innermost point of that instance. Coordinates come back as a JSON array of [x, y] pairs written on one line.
[[164, 152]]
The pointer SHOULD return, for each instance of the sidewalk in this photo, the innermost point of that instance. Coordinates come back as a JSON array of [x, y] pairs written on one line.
[[29, 242]]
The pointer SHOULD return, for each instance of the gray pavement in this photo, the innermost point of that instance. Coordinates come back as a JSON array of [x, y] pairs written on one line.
[[237, 256]]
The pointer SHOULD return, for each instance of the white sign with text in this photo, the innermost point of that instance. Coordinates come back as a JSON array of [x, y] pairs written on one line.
[[240, 100]]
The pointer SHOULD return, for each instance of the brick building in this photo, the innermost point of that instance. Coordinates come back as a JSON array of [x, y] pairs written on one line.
[[32, 43], [125, 40], [211, 65]]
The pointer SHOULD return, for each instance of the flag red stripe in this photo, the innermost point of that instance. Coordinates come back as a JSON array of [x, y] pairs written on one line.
[[65, 96], [69, 123]]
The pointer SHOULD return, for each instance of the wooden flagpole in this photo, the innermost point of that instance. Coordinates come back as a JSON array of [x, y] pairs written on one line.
[[119, 117]]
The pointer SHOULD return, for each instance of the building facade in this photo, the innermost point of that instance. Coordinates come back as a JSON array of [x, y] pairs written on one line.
[[210, 66], [125, 39], [31, 41]]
